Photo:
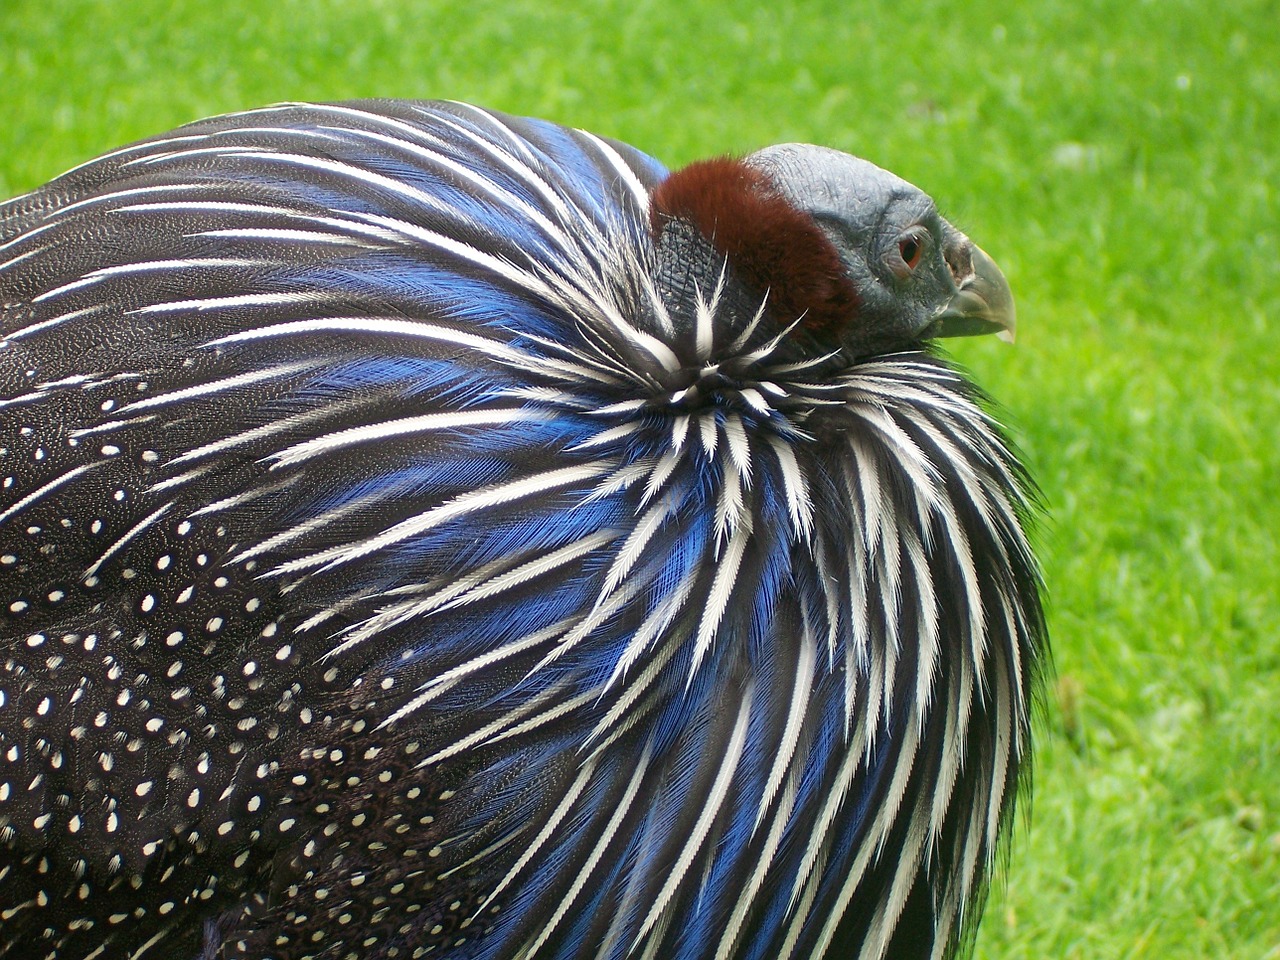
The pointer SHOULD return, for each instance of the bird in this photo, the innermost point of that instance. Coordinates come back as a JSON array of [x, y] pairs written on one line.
[[431, 532]]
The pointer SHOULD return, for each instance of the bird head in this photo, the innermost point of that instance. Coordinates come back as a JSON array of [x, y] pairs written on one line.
[[857, 257]]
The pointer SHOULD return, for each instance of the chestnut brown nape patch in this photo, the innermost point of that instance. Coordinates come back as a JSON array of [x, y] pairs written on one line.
[[771, 244]]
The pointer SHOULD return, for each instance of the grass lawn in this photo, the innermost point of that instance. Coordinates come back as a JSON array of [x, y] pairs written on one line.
[[1117, 157]]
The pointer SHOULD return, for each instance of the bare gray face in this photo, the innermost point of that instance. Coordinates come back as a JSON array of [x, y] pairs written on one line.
[[916, 274]]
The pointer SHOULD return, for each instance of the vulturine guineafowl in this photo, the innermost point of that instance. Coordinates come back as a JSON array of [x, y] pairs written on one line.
[[426, 532]]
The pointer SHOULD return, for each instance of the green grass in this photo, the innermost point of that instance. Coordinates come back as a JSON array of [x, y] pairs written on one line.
[[1118, 157]]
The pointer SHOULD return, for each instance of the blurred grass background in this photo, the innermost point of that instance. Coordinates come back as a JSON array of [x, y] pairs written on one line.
[[1117, 157]]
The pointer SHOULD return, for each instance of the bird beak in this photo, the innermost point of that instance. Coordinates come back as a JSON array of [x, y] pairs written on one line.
[[982, 303]]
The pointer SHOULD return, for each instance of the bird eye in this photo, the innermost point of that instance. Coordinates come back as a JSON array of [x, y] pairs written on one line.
[[910, 248], [903, 258]]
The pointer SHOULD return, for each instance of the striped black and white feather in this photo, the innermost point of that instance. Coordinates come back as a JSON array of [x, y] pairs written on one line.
[[393, 565]]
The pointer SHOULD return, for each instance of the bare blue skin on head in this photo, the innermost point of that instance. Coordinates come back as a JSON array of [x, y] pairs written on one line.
[[870, 214]]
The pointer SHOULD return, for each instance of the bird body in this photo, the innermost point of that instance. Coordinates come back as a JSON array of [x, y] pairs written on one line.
[[429, 532]]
